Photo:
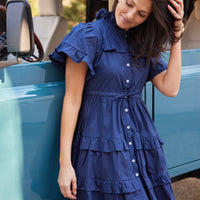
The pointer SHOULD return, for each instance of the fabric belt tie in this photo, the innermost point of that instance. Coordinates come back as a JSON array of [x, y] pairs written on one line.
[[115, 96]]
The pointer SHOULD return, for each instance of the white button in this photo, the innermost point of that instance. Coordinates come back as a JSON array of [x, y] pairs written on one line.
[[128, 64], [133, 160], [130, 143], [127, 81], [125, 97], [137, 174], [128, 127], [126, 109]]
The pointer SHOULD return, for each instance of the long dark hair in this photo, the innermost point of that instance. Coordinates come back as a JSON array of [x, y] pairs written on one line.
[[153, 35]]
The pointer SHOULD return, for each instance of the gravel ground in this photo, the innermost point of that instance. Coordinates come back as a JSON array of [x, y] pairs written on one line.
[[187, 189], [187, 186]]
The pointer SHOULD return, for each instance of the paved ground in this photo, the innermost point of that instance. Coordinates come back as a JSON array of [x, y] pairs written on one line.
[[187, 189]]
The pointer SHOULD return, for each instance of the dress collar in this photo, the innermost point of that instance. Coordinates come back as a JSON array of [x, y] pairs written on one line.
[[110, 18]]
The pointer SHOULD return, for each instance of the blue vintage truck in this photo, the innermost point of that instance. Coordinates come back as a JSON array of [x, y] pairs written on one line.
[[31, 97]]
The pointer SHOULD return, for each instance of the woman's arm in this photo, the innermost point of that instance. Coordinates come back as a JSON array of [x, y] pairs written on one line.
[[74, 83], [168, 81]]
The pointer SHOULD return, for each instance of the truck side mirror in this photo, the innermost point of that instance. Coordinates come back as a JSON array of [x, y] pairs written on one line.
[[20, 34]]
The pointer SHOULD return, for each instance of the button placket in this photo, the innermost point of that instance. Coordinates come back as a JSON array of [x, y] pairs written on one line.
[[130, 143], [127, 80], [132, 157], [130, 139], [137, 174], [126, 110], [133, 160], [128, 127]]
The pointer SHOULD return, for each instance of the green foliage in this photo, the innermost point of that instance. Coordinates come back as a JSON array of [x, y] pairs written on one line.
[[34, 7], [75, 13]]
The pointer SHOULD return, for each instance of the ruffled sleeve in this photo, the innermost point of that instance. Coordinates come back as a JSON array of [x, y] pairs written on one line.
[[80, 45], [157, 66]]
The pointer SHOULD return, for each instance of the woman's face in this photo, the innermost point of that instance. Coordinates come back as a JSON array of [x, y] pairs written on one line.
[[131, 13]]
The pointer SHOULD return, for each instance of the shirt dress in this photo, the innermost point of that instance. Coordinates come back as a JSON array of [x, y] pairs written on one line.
[[117, 153]]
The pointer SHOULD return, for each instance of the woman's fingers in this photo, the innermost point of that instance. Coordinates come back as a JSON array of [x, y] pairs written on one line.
[[74, 187], [66, 192], [174, 13], [178, 4], [178, 10], [69, 194]]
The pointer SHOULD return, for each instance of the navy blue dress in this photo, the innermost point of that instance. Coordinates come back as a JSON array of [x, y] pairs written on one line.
[[117, 153]]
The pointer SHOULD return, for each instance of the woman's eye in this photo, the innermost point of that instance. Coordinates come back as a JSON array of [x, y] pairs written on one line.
[[141, 15], [128, 4]]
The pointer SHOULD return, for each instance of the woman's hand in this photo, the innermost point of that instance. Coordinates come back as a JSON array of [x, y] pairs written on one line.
[[67, 182], [178, 13]]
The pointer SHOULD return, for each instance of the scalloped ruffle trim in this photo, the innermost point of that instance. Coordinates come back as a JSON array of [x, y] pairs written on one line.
[[76, 55], [148, 143], [158, 180], [117, 144], [102, 145], [121, 186], [65, 49], [108, 186]]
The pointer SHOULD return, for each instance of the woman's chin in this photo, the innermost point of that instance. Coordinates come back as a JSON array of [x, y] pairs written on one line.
[[122, 26]]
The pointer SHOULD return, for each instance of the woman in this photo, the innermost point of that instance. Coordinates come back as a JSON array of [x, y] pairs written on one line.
[[116, 152]]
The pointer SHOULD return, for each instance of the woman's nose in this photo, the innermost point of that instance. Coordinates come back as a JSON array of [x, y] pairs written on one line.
[[131, 13]]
